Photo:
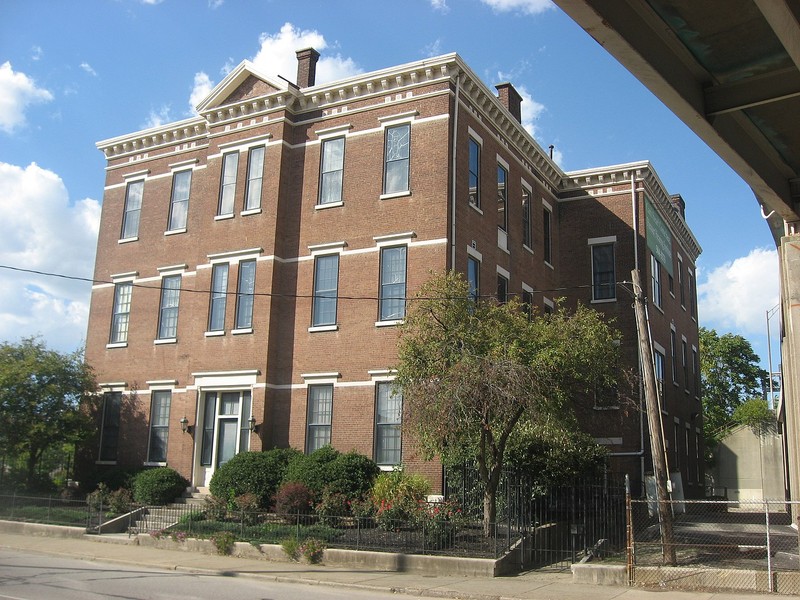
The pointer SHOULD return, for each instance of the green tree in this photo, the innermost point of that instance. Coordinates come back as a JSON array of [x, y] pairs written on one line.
[[40, 395], [756, 414], [730, 376], [471, 371]]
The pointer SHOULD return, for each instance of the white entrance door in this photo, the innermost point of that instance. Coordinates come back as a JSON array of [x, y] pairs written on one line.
[[225, 429]]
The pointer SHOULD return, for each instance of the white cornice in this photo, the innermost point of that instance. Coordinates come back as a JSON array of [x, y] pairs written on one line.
[[643, 172]]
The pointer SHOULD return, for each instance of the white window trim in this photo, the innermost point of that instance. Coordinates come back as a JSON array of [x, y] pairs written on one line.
[[327, 249], [527, 288], [329, 377], [333, 132], [475, 135], [394, 195], [235, 256], [135, 175], [549, 303], [394, 239], [184, 165], [609, 239], [318, 328], [503, 272], [503, 163], [124, 277], [474, 253], [398, 119], [328, 205], [244, 145], [172, 269], [251, 211]]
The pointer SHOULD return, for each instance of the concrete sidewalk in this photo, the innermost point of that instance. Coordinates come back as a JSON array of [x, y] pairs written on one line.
[[120, 549]]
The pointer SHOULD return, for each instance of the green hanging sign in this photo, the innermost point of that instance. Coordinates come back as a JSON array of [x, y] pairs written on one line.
[[659, 238]]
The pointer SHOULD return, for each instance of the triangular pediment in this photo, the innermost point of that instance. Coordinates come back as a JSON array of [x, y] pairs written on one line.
[[243, 83]]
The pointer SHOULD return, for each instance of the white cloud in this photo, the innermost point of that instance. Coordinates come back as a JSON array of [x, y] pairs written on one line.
[[531, 110], [433, 49], [158, 116], [213, 4], [277, 55], [17, 93], [529, 7], [41, 230], [440, 5], [88, 68], [36, 53], [202, 88], [736, 295]]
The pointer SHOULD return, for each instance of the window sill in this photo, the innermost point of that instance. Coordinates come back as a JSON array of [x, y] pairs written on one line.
[[105, 462], [251, 211], [166, 341], [660, 309], [117, 345], [215, 333], [550, 265], [128, 240], [476, 208], [223, 217], [388, 468], [395, 195], [318, 328], [605, 408], [603, 300], [527, 248], [148, 463], [388, 323], [175, 231], [328, 205], [242, 331]]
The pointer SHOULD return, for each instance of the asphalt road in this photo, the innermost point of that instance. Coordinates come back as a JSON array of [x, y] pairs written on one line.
[[28, 576]]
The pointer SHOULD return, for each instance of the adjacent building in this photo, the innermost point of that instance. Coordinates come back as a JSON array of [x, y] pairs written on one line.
[[254, 262]]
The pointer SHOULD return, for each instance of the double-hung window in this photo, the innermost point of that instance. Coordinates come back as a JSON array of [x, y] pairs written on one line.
[[219, 297], [326, 290], [133, 209], [658, 359], [681, 289], [526, 219], [655, 277], [245, 294], [388, 423], [502, 198], [179, 202], [474, 277], [397, 153], [392, 298], [168, 310], [502, 288], [546, 235], [474, 173], [255, 175], [109, 431], [673, 355], [604, 285], [320, 410], [159, 426], [122, 312], [685, 364], [692, 295], [227, 186], [331, 171]]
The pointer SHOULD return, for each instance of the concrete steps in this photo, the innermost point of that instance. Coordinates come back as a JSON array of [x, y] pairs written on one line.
[[157, 518]]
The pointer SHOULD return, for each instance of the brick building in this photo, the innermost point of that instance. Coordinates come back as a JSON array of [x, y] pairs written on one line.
[[253, 263]]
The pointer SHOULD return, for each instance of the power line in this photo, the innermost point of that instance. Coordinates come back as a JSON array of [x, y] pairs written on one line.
[[276, 295]]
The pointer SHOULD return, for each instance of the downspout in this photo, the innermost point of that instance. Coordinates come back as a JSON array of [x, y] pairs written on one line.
[[640, 452], [453, 199]]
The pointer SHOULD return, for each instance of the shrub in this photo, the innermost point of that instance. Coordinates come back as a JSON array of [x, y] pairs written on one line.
[[332, 507], [312, 470], [291, 547], [440, 522], [158, 486], [352, 474], [112, 478], [223, 541], [312, 550], [119, 501], [258, 473], [293, 498], [397, 497]]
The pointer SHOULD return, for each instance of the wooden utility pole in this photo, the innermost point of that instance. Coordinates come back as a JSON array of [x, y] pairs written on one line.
[[654, 423]]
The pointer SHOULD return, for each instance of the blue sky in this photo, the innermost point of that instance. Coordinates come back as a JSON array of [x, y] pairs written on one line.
[[74, 73]]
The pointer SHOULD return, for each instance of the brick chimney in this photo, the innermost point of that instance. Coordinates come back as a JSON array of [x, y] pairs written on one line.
[[679, 205], [510, 98], [306, 67]]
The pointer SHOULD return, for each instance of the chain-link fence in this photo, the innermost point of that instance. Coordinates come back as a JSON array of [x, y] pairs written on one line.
[[747, 546]]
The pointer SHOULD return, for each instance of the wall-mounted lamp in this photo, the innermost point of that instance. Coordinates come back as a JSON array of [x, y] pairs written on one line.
[[252, 424], [184, 424]]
